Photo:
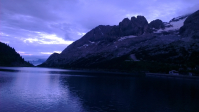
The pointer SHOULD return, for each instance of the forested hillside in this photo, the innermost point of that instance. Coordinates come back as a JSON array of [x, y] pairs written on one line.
[[9, 57]]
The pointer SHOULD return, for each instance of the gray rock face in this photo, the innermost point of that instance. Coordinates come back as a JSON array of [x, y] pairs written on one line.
[[135, 26], [179, 18], [124, 24], [191, 26], [141, 21], [157, 24], [105, 44]]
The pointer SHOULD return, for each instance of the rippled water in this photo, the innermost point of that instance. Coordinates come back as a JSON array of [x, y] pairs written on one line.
[[57, 90]]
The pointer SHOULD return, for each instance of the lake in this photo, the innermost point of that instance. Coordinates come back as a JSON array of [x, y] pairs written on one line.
[[57, 90]]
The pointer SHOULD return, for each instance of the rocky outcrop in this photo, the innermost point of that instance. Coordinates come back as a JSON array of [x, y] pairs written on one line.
[[135, 26], [179, 18], [191, 26], [157, 24], [97, 41], [9, 57], [110, 46], [125, 24]]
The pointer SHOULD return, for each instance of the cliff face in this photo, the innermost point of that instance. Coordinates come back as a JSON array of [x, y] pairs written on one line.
[[157, 24], [9, 57], [107, 46], [191, 26]]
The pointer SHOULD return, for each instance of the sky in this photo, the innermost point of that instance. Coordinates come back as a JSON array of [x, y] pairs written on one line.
[[38, 28]]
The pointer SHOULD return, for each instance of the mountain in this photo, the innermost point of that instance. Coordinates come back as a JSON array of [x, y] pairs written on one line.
[[9, 57], [135, 44], [37, 62], [35, 59], [191, 26], [173, 25]]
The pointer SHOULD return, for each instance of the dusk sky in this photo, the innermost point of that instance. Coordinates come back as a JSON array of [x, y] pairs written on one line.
[[41, 27]]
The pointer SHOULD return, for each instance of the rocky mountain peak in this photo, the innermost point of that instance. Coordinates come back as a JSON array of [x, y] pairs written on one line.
[[179, 18], [171, 27], [135, 26], [157, 24], [107, 46], [191, 26], [142, 20], [125, 23], [139, 21]]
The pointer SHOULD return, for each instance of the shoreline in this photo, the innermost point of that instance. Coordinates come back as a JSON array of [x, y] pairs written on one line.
[[171, 76], [106, 72]]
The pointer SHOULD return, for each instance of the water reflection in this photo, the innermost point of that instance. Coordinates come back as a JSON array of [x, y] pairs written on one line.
[[37, 91], [134, 94], [55, 90]]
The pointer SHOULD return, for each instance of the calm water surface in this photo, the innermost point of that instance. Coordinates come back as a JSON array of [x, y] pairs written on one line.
[[56, 90]]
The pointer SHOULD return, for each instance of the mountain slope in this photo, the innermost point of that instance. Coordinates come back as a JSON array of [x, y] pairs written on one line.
[[111, 47], [9, 57], [191, 26]]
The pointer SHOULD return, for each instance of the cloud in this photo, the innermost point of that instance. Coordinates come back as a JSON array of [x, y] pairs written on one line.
[[23, 53], [34, 8], [35, 26], [48, 53], [43, 38]]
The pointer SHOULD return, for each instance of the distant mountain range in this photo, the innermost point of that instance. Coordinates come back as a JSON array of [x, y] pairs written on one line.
[[134, 45], [9, 57], [37, 62]]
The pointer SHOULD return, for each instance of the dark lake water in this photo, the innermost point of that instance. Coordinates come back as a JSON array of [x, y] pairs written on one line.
[[57, 90]]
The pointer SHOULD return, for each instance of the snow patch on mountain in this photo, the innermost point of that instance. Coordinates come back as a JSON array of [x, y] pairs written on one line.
[[173, 25], [179, 18], [91, 42], [85, 45], [126, 37], [101, 31]]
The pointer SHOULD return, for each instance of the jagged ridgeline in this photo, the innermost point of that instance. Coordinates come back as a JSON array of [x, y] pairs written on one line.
[[135, 44], [9, 57]]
